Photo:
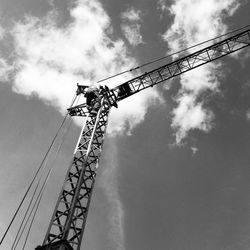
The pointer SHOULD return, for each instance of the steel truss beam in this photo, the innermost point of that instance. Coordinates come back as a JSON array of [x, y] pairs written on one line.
[[182, 65], [69, 218]]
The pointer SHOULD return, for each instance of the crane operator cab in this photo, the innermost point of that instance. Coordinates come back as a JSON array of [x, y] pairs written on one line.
[[93, 99]]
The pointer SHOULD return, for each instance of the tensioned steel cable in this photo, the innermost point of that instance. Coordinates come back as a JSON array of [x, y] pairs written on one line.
[[15, 243], [36, 205], [46, 180], [32, 209], [31, 183], [170, 55], [21, 225], [40, 198], [36, 174]]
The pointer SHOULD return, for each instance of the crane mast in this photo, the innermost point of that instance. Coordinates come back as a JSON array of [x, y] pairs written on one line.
[[68, 222]]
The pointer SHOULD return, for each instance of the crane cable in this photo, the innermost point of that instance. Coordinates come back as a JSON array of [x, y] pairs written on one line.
[[36, 205], [36, 174], [45, 183], [12, 247], [18, 237], [170, 55], [33, 207]]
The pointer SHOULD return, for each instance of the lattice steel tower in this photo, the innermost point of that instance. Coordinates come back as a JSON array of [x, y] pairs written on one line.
[[67, 225]]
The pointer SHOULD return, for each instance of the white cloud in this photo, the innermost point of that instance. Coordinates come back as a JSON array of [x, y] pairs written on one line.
[[134, 109], [190, 115], [2, 32], [162, 7], [196, 21], [51, 60], [248, 115], [131, 25], [5, 70], [131, 15], [194, 150]]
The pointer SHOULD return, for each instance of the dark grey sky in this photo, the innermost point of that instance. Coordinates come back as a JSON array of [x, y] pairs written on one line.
[[150, 193]]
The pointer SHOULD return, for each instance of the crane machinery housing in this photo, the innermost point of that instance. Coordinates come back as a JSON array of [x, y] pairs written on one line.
[[65, 231]]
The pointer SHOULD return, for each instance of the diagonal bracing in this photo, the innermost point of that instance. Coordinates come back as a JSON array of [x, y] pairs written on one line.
[[69, 218]]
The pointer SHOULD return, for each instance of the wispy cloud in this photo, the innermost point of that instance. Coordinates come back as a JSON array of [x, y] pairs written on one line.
[[5, 67], [248, 115], [190, 115], [108, 181], [5, 70], [194, 150], [2, 32], [162, 7], [134, 109], [131, 25], [195, 21]]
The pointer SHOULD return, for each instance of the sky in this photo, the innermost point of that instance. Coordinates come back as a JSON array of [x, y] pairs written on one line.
[[174, 171]]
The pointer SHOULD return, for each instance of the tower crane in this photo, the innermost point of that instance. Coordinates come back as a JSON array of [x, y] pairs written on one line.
[[66, 228]]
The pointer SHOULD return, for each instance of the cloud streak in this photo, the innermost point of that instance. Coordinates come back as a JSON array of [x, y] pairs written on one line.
[[108, 181], [5, 67], [2, 32], [195, 21]]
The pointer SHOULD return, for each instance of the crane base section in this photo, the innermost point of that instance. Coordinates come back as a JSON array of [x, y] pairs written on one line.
[[59, 245]]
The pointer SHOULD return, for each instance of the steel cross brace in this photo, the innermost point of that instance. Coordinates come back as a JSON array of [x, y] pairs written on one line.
[[70, 214], [182, 65]]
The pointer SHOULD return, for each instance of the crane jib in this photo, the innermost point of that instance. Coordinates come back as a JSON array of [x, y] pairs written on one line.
[[182, 65]]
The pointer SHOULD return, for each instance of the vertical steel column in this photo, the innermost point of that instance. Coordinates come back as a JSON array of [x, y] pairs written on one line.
[[70, 214]]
